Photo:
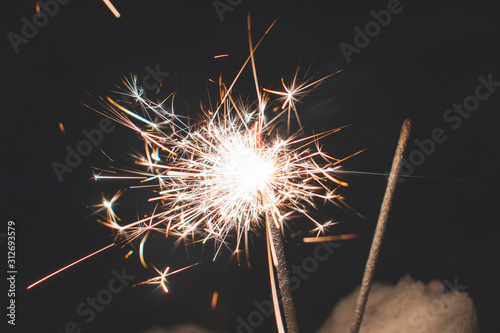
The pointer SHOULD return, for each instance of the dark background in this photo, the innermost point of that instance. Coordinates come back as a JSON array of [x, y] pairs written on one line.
[[424, 61]]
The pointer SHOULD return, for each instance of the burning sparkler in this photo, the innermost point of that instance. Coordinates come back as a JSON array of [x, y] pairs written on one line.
[[225, 176], [230, 172], [222, 174]]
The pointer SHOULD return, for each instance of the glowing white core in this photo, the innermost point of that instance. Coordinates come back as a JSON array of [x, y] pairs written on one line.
[[247, 171]]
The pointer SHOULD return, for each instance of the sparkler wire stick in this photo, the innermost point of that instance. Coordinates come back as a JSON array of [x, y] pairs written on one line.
[[276, 305], [283, 279], [380, 229]]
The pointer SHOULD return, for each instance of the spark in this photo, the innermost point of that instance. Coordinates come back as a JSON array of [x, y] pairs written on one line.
[[107, 205], [215, 297], [72, 264], [37, 8], [321, 228], [61, 127], [129, 254], [330, 238], [221, 56], [109, 158], [161, 279], [112, 8], [294, 92]]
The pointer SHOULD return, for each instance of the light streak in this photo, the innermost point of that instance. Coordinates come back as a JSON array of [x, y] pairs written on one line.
[[330, 238], [112, 8], [161, 279], [37, 8], [61, 127], [72, 264], [215, 297], [129, 254]]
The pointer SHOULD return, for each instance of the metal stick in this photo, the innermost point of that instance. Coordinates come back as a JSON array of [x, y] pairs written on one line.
[[284, 281], [381, 226]]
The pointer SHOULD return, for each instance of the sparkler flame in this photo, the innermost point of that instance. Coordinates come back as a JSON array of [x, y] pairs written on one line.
[[225, 172], [232, 172]]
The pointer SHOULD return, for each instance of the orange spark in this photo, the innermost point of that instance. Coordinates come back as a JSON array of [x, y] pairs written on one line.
[[112, 8], [215, 296], [72, 264], [330, 238], [61, 127], [37, 6]]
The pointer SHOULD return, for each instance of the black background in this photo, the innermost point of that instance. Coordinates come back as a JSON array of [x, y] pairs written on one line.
[[424, 61]]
